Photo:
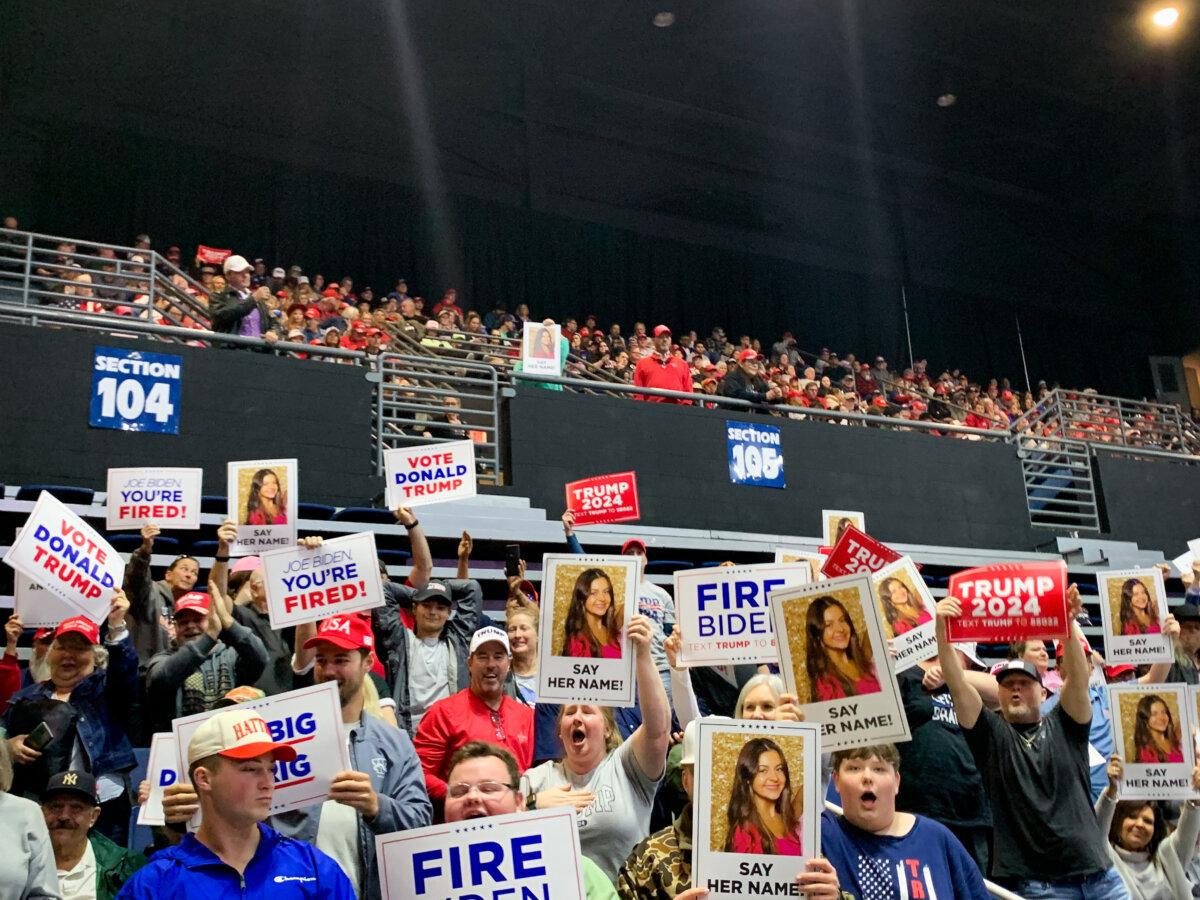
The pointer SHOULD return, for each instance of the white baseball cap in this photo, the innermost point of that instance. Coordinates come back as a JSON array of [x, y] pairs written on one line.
[[687, 756], [236, 734], [235, 264], [486, 635]]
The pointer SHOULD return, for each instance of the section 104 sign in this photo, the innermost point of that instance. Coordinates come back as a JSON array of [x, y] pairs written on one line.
[[755, 454]]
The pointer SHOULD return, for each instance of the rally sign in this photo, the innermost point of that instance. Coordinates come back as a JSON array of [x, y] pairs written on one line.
[[541, 349], [212, 255], [855, 552], [1184, 562], [584, 655], [338, 578], [836, 521], [162, 771], [1010, 602], [263, 501], [755, 454], [834, 659], [730, 856], [37, 607], [604, 498], [1133, 605], [788, 556], [908, 610], [134, 390], [69, 558], [1152, 732], [724, 612], [520, 856], [169, 498], [310, 719], [429, 473]]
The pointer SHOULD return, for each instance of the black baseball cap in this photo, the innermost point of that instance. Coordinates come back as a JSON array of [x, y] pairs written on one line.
[[434, 590], [1018, 667], [72, 782], [1189, 612]]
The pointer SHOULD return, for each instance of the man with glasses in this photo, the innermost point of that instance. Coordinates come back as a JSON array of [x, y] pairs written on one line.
[[744, 381], [482, 782], [480, 712]]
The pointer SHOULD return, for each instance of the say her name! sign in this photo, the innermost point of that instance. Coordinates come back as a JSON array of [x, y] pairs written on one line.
[[604, 498], [1010, 602], [310, 719], [519, 856], [169, 498], [724, 612], [337, 578], [429, 473], [69, 558]]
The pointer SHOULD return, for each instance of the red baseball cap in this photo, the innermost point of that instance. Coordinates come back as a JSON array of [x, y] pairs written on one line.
[[79, 625], [633, 542], [747, 355], [196, 601], [1114, 672], [359, 325], [43, 633], [348, 632], [661, 329], [879, 401]]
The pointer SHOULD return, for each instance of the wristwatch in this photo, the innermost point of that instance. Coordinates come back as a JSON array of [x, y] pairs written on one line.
[[531, 801]]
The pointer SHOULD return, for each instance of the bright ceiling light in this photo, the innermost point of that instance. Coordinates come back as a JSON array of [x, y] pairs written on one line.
[[1167, 17], [946, 100], [664, 19]]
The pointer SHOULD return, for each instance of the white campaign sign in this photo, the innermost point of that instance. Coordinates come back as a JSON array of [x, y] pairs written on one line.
[[851, 712], [569, 669], [37, 607], [162, 771], [903, 599], [724, 615], [541, 349], [263, 501], [338, 578], [429, 473], [64, 554], [310, 719], [1159, 755], [519, 856], [1133, 605], [787, 555], [722, 861], [168, 498]]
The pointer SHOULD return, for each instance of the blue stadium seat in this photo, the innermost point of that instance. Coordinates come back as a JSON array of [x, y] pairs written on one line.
[[210, 504], [667, 566], [204, 548], [128, 541], [364, 514], [394, 557], [315, 511], [64, 492]]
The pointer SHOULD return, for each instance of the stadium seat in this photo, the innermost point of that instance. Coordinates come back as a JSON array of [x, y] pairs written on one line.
[[367, 514], [204, 548], [394, 557], [65, 493], [218, 505], [666, 566], [128, 541], [315, 511]]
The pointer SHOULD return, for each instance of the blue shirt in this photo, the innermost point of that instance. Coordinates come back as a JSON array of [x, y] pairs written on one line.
[[281, 869], [927, 862]]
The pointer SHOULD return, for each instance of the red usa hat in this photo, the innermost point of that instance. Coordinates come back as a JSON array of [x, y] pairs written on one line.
[[633, 542], [1114, 672], [42, 633], [347, 632], [661, 330], [79, 625], [747, 355], [196, 601]]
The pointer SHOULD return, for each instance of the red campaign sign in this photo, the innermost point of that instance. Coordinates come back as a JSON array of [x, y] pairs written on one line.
[[212, 255], [857, 552], [1010, 602], [604, 498]]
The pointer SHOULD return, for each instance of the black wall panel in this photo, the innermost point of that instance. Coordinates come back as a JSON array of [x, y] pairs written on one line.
[[1155, 503]]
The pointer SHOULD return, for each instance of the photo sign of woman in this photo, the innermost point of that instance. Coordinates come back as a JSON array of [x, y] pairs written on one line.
[[1152, 732], [584, 653], [907, 608], [1133, 605], [263, 496], [834, 658]]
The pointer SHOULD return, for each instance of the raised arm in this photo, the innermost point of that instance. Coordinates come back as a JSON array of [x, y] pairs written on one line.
[[1158, 672], [138, 580], [967, 703], [1074, 695], [568, 523], [650, 739], [219, 574], [465, 545], [422, 559], [683, 695]]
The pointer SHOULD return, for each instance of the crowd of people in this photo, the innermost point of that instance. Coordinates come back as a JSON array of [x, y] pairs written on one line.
[[247, 297], [442, 723]]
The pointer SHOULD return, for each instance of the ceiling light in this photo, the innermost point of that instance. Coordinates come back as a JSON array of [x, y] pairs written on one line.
[[946, 100], [664, 19], [1167, 17]]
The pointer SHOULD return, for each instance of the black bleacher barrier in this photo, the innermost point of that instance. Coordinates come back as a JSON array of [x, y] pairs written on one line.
[[235, 404], [1155, 502]]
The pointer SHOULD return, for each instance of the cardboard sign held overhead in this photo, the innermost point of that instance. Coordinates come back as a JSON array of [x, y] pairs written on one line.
[[857, 552], [338, 578], [168, 498], [604, 498], [429, 473], [1010, 602]]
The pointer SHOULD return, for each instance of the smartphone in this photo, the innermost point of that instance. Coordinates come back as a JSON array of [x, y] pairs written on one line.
[[39, 737], [512, 560]]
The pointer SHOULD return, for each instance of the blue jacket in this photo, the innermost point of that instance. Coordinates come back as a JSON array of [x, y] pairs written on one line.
[[281, 869], [386, 754], [102, 701]]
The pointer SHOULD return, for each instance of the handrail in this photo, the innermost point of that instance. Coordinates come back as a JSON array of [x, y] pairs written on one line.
[[992, 888]]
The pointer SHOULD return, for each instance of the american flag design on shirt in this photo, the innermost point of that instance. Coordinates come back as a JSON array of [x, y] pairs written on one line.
[[883, 879]]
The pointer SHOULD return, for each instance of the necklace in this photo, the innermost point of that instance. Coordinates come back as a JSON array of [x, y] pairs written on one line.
[[1037, 732]]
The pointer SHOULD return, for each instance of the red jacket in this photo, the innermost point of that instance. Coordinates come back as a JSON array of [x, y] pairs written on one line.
[[461, 718], [671, 375]]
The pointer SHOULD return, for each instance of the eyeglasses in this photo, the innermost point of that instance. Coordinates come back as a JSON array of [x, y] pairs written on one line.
[[485, 788], [498, 725]]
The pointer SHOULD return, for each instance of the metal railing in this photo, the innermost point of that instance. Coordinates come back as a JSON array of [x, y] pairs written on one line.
[[1104, 421], [41, 271], [1059, 489], [424, 399]]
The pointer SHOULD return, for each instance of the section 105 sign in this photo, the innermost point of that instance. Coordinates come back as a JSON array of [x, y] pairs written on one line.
[[133, 390], [755, 454]]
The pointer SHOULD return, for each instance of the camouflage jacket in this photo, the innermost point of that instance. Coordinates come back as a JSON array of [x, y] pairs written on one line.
[[660, 867]]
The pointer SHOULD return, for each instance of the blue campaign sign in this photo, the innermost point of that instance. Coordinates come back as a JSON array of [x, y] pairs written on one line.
[[755, 454], [133, 390]]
